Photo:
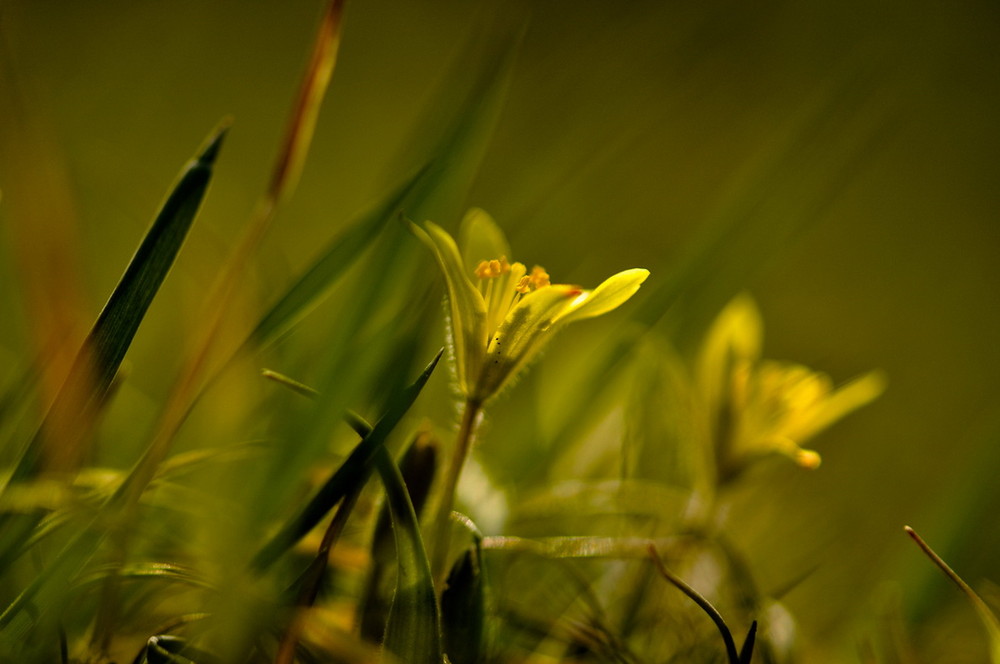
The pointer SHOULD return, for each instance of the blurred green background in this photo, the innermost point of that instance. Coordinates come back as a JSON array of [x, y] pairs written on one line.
[[840, 158]]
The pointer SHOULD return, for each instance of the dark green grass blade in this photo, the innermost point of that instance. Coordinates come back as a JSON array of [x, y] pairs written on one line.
[[413, 630], [302, 295], [94, 370], [417, 466], [116, 326], [355, 469], [119, 321]]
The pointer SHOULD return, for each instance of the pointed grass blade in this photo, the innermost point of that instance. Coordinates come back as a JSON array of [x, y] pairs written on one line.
[[104, 348], [746, 652], [354, 470], [118, 322]]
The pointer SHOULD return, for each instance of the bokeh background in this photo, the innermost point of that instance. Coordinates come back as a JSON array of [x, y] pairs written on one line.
[[838, 159]]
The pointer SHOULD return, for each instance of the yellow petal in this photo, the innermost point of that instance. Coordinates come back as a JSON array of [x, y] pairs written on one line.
[[849, 397], [466, 305], [734, 337], [522, 334], [481, 239], [611, 294]]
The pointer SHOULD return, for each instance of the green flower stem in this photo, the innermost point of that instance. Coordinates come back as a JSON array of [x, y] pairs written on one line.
[[441, 534]]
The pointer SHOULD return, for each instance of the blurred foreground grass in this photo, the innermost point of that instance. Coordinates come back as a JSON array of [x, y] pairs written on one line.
[[837, 161]]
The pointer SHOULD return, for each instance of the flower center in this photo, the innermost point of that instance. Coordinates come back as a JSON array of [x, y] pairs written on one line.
[[502, 285]]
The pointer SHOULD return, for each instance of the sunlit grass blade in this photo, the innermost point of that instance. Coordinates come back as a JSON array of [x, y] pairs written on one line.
[[91, 377], [988, 618], [356, 468], [302, 122]]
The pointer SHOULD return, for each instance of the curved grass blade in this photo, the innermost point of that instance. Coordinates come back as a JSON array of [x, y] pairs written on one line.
[[413, 628], [353, 471], [417, 465]]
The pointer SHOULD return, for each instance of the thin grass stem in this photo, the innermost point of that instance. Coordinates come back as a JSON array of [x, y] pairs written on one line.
[[441, 539]]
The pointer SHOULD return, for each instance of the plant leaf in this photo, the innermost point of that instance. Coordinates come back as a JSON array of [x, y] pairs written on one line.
[[355, 469], [413, 629], [105, 347], [340, 254]]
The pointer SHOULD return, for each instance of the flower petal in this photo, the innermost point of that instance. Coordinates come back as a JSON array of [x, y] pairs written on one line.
[[848, 397], [521, 335], [611, 294], [481, 239], [734, 338], [466, 305]]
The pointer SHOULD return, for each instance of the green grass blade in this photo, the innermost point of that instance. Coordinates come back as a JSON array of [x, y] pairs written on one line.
[[354, 470], [48, 588], [417, 465], [413, 630], [94, 369], [104, 348], [119, 321], [305, 293], [413, 627]]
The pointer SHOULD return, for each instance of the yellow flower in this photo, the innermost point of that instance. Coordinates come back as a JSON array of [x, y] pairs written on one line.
[[502, 314], [757, 407]]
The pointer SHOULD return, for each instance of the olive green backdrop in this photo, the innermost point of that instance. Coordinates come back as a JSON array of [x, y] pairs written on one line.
[[846, 152]]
